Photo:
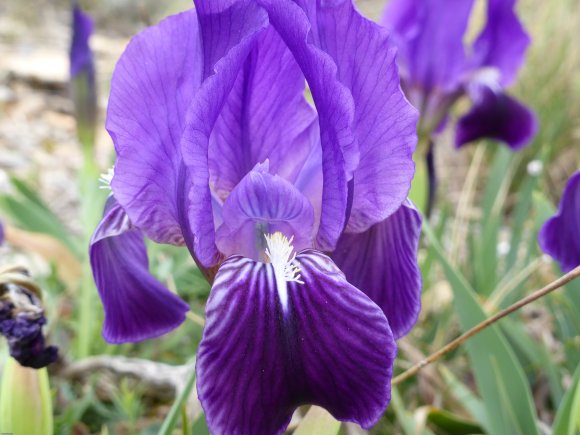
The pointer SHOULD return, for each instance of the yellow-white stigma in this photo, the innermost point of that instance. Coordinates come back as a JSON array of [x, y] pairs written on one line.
[[280, 253], [106, 178]]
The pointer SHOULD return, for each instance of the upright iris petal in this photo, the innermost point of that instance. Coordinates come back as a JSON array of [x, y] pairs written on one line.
[[560, 235], [218, 149]]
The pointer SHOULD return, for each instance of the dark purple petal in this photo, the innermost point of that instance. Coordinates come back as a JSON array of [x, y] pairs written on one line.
[[429, 35], [384, 122], [335, 107], [264, 117], [81, 56], [260, 358], [503, 42], [228, 36], [137, 306], [21, 322], [382, 262], [560, 235], [152, 87], [263, 204], [2, 233], [496, 115]]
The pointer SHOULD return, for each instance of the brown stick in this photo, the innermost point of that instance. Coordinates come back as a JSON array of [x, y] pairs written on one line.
[[570, 276]]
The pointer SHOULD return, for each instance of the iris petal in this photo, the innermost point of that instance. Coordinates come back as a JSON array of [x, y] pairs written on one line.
[[335, 107], [498, 116], [137, 306], [429, 34], [228, 36], [560, 235], [384, 121], [257, 362], [260, 204], [503, 42], [382, 262], [152, 86], [265, 116]]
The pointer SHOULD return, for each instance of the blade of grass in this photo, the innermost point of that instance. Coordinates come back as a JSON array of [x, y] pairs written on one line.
[[499, 376], [175, 411]]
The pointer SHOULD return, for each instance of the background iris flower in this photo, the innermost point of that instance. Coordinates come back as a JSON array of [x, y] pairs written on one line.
[[437, 68], [560, 235], [298, 216]]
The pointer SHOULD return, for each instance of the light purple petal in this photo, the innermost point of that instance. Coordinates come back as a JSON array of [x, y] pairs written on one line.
[[152, 87], [258, 361], [496, 115], [503, 42], [560, 235], [137, 306], [263, 204], [335, 107], [382, 262], [384, 121], [429, 34], [264, 117], [228, 36]]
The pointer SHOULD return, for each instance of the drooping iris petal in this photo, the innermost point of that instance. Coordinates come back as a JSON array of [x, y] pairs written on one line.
[[81, 56], [429, 34], [560, 235], [151, 89], [382, 262], [263, 204], [384, 122], [335, 107], [503, 42], [228, 34], [137, 306], [264, 117], [498, 116], [257, 361]]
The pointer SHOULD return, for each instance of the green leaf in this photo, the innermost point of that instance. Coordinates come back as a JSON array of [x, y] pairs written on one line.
[[318, 421], [470, 402], [537, 355], [175, 411], [497, 186], [404, 417], [452, 423], [567, 421], [420, 185], [500, 377], [199, 427]]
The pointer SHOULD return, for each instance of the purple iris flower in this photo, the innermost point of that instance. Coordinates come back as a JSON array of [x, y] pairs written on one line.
[[560, 235], [437, 69], [82, 69], [296, 213]]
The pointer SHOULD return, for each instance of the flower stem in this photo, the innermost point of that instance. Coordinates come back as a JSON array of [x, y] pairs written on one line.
[[560, 282]]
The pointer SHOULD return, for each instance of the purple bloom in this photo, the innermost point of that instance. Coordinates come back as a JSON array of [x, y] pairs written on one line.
[[560, 235], [81, 56], [21, 322], [437, 69], [296, 214], [82, 72]]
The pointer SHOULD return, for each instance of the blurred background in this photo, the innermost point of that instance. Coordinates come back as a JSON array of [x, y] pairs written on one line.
[[481, 241]]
